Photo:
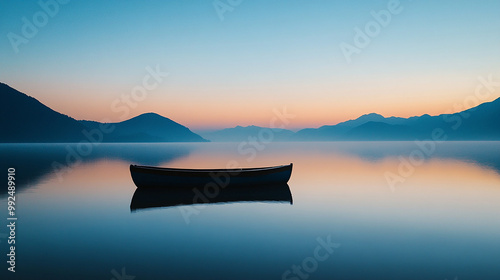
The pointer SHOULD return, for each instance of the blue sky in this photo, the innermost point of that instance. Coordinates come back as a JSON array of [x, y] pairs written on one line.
[[263, 55]]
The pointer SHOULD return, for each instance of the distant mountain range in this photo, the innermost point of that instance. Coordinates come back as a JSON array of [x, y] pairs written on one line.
[[25, 119], [478, 123], [240, 133]]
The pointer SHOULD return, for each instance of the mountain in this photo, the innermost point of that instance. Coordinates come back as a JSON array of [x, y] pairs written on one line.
[[148, 127], [373, 117], [481, 122], [339, 131], [240, 133], [478, 123], [25, 119]]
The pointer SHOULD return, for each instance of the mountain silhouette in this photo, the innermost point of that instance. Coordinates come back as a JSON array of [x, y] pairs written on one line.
[[240, 133], [23, 119], [149, 127], [478, 123]]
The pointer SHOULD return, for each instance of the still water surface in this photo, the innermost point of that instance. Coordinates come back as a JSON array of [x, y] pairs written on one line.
[[438, 220]]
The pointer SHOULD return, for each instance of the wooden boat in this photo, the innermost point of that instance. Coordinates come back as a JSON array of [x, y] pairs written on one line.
[[157, 177], [167, 197]]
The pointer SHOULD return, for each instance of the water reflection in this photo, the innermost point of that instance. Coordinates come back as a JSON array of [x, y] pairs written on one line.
[[440, 222], [153, 198], [479, 153], [33, 162]]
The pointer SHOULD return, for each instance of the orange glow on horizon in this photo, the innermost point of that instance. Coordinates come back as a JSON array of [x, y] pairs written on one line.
[[223, 110]]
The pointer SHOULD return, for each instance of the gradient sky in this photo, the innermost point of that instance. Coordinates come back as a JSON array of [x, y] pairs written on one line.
[[264, 55]]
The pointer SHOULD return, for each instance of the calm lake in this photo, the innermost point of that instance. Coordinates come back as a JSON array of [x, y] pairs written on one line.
[[360, 210]]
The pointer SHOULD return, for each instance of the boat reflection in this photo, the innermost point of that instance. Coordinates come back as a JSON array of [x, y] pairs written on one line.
[[153, 198]]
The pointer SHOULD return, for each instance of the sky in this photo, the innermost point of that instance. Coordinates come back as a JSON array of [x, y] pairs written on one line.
[[239, 62]]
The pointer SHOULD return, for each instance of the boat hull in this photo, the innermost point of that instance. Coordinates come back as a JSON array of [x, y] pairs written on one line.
[[154, 177]]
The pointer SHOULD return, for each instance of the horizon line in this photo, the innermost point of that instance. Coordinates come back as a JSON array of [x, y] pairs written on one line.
[[454, 108]]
